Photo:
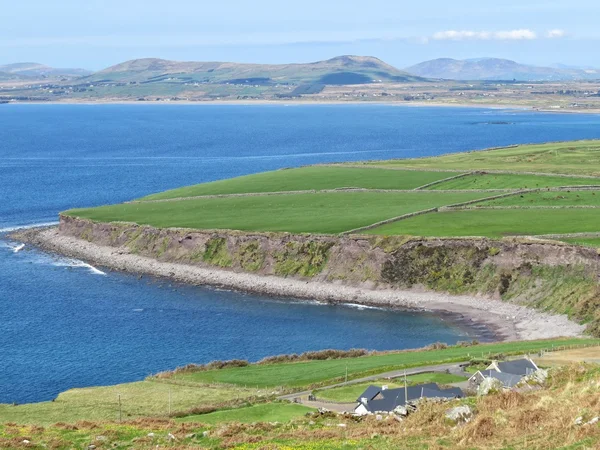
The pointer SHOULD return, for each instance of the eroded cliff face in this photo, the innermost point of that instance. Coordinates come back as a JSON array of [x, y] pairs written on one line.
[[552, 276]]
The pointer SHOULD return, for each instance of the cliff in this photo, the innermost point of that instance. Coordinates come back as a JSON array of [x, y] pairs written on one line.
[[541, 274]]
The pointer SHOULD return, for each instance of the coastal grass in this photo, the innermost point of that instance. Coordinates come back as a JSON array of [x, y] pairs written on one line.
[[305, 374], [349, 394], [496, 223], [308, 178], [511, 181], [266, 412], [574, 158], [295, 213], [140, 399], [548, 198], [593, 242]]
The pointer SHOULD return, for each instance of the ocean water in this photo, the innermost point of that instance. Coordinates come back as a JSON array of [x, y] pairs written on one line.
[[65, 324]]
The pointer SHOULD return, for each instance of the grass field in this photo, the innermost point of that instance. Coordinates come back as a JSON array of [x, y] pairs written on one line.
[[530, 167], [348, 394], [576, 158], [141, 399], [307, 373], [268, 412], [297, 213], [309, 178], [511, 181], [548, 198], [496, 223]]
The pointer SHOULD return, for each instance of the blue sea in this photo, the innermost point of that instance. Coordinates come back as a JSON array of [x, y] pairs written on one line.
[[65, 324]]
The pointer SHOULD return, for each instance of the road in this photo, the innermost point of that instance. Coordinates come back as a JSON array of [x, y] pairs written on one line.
[[455, 368]]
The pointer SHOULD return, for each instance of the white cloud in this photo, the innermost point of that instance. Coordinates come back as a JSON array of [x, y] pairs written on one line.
[[552, 34], [464, 35]]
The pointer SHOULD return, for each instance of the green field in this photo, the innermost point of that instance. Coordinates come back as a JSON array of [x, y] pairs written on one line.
[[141, 399], [296, 213], [268, 412], [349, 394], [511, 181], [496, 223], [576, 158], [274, 204], [303, 374], [548, 198], [309, 178]]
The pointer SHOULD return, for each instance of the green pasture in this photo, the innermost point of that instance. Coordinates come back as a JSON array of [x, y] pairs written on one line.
[[140, 399], [296, 213], [266, 412], [309, 178], [303, 374], [496, 223], [511, 181], [548, 198], [576, 158]]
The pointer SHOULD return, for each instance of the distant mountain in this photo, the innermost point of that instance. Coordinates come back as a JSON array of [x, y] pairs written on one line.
[[35, 70], [497, 69], [342, 70]]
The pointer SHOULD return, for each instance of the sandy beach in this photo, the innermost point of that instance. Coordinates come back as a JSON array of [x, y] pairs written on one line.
[[509, 321]]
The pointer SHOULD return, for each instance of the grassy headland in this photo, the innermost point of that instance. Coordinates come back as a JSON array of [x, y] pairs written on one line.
[[420, 184]]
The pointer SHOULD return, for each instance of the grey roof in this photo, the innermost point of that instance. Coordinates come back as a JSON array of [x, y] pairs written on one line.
[[392, 398], [517, 367], [507, 379], [370, 393]]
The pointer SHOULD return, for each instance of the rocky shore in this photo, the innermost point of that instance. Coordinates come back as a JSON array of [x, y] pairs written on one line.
[[509, 321]]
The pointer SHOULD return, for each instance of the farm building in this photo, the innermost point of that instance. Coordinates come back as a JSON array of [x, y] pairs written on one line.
[[510, 373], [380, 399]]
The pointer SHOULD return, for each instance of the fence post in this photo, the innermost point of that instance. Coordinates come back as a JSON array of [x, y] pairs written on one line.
[[120, 412]]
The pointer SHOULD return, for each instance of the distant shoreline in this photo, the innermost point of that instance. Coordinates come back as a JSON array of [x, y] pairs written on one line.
[[509, 322], [524, 108]]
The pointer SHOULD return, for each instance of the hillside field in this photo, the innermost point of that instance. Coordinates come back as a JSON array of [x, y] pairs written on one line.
[[547, 189]]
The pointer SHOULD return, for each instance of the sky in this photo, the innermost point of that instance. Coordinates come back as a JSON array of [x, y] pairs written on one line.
[[95, 34]]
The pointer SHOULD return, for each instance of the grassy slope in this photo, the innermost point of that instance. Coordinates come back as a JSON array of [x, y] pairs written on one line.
[[511, 181], [141, 399], [496, 223], [577, 158], [309, 178], [351, 393], [307, 373], [538, 420], [299, 213], [575, 198], [268, 412]]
